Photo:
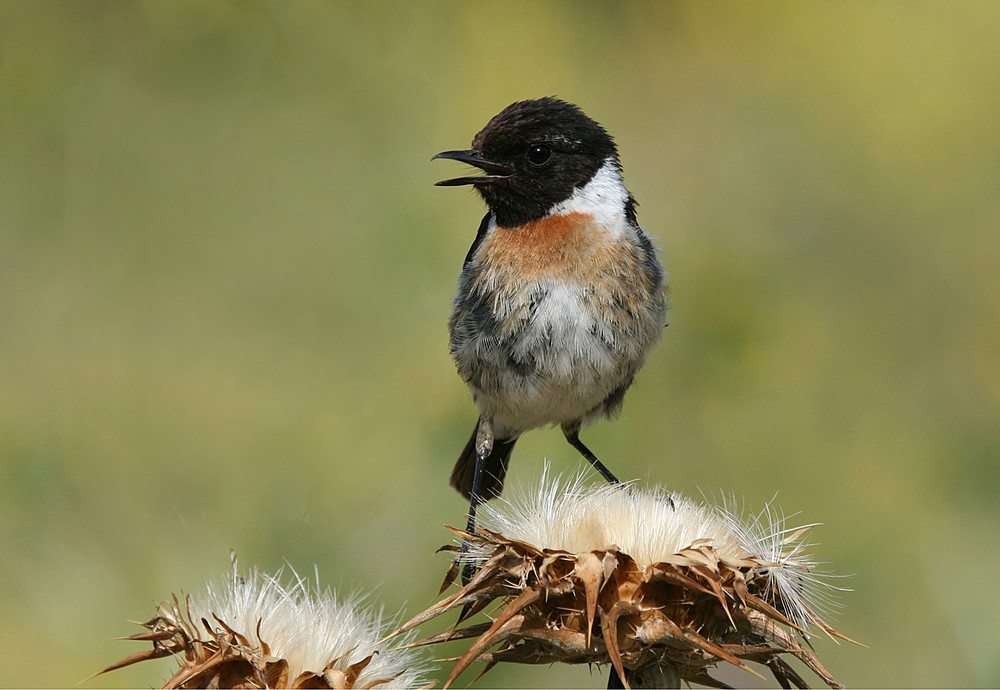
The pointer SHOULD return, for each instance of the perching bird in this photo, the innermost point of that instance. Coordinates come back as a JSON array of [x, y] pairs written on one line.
[[561, 296]]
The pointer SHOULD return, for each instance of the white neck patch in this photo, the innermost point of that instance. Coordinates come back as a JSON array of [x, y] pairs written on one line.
[[604, 197]]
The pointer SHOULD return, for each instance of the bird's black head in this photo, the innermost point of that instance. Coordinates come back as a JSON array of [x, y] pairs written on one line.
[[534, 153]]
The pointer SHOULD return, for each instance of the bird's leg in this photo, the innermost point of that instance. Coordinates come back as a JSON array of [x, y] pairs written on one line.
[[572, 433], [484, 446]]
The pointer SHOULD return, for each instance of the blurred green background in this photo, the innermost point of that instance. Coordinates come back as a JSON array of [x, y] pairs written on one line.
[[225, 279]]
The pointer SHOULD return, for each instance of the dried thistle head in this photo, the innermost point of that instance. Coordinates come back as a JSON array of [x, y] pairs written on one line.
[[256, 632], [656, 585]]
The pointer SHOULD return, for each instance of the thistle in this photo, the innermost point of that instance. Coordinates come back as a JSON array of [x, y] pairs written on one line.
[[662, 588], [256, 632]]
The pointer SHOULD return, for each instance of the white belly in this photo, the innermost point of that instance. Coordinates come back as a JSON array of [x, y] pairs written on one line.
[[572, 371]]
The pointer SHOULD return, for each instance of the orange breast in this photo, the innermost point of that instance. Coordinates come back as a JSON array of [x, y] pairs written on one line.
[[570, 247]]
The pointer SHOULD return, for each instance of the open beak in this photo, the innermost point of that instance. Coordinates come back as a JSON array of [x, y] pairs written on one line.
[[494, 171]]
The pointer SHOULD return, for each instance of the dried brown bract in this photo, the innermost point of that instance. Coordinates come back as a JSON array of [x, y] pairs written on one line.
[[677, 616], [258, 633]]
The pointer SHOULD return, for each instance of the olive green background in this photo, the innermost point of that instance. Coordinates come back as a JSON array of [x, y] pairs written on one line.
[[225, 279]]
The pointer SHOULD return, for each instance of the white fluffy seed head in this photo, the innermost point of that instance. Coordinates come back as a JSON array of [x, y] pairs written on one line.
[[797, 581], [652, 524], [571, 515], [308, 628]]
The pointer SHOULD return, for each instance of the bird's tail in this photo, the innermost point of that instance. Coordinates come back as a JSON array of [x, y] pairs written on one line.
[[494, 472]]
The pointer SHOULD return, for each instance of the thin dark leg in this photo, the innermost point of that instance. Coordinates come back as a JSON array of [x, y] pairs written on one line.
[[574, 440], [475, 500], [484, 446], [468, 568]]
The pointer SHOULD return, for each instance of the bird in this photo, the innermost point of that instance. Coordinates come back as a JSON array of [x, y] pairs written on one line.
[[561, 296]]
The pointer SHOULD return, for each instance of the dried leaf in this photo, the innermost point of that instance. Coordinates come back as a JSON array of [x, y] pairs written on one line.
[[683, 614]]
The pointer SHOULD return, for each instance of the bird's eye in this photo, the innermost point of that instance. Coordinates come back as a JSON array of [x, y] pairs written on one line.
[[539, 154]]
